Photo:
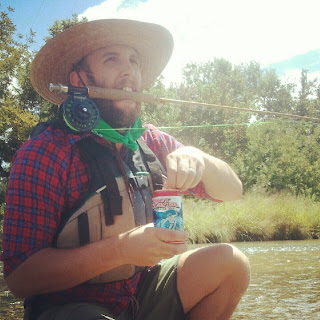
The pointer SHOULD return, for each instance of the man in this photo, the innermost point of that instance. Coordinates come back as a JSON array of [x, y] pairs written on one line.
[[125, 268]]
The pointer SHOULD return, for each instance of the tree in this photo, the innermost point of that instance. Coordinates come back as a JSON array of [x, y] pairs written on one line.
[[282, 156], [306, 104], [61, 25], [20, 106], [16, 114], [216, 82]]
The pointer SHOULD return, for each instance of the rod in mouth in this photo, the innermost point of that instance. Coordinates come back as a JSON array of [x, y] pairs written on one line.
[[114, 94], [103, 93], [54, 87]]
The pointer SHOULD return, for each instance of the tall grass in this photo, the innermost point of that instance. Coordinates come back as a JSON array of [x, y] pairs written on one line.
[[256, 217]]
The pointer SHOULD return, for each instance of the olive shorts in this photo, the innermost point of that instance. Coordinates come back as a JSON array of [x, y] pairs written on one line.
[[157, 299]]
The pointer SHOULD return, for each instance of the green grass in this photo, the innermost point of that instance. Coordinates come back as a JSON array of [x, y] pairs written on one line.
[[256, 217]]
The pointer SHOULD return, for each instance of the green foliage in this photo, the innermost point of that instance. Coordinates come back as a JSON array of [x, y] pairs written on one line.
[[20, 106], [61, 25], [282, 156], [159, 115], [16, 118], [15, 126], [256, 217], [9, 52]]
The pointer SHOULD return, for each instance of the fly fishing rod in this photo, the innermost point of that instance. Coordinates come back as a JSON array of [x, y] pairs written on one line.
[[115, 94]]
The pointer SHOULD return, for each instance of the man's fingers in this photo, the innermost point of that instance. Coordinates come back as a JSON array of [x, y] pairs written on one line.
[[193, 178], [183, 177], [171, 173], [185, 168], [169, 235]]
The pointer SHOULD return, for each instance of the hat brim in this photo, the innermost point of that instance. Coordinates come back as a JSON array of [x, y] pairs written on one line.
[[55, 61]]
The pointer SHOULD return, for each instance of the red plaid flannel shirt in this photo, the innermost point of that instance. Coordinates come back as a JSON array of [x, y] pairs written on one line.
[[47, 177]]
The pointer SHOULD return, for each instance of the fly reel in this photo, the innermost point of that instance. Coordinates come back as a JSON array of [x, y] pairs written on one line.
[[79, 112]]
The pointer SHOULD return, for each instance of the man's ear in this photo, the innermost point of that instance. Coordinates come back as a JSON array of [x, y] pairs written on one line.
[[75, 79]]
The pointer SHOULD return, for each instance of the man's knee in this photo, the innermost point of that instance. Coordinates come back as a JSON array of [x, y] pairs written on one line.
[[239, 259], [232, 260], [218, 262], [235, 270], [229, 256], [221, 269]]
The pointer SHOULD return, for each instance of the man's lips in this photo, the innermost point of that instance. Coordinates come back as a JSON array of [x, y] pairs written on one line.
[[127, 89]]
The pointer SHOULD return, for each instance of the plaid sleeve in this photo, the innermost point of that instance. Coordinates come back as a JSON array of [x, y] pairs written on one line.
[[161, 145], [33, 201]]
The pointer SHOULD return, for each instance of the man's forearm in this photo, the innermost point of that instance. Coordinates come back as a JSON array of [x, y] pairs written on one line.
[[220, 180], [187, 166], [52, 269]]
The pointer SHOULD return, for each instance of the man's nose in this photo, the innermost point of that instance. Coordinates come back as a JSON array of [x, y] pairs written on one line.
[[127, 68]]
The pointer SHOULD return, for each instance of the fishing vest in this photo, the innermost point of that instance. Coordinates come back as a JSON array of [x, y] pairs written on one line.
[[106, 209]]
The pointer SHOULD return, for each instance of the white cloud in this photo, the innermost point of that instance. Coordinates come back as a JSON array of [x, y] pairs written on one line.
[[265, 31]]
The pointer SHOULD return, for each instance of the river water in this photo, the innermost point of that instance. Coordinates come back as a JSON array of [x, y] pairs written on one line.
[[285, 283]]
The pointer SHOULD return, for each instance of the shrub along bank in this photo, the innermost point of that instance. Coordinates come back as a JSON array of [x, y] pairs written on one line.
[[256, 217]]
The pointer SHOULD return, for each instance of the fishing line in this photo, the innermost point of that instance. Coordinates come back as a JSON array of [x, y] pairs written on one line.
[[248, 124], [217, 125], [35, 18]]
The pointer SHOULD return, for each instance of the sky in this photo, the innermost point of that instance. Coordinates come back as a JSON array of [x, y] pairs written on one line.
[[240, 31]]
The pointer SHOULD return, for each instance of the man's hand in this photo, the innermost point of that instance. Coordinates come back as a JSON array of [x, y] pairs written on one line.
[[147, 245], [185, 167]]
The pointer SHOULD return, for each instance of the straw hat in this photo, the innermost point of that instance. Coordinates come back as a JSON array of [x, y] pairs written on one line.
[[54, 62]]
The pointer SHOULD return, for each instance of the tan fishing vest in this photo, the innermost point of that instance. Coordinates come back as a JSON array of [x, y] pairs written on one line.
[[89, 221], [93, 212]]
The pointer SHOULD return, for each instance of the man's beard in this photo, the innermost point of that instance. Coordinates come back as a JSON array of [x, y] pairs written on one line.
[[115, 117]]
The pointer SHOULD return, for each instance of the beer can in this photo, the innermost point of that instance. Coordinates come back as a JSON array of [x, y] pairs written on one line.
[[167, 209]]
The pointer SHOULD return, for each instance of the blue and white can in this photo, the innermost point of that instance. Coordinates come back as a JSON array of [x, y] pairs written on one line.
[[167, 209]]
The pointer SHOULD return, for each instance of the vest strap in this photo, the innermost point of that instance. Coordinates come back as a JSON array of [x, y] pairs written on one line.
[[155, 167], [83, 229], [99, 158]]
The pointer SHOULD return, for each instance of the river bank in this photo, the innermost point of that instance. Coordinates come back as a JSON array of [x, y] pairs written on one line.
[[256, 217], [283, 271]]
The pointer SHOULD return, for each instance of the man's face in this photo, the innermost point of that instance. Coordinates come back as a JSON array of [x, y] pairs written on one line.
[[115, 67]]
